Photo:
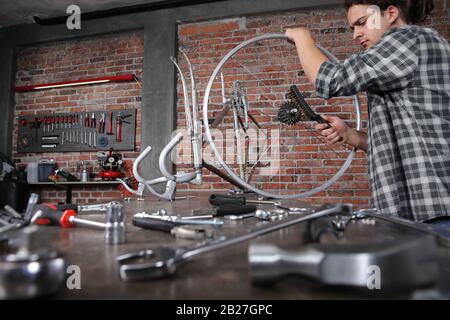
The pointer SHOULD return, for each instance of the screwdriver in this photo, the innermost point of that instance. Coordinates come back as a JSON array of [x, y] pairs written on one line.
[[152, 224], [218, 199], [48, 214]]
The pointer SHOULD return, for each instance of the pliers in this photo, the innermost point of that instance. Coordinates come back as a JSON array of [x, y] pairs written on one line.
[[93, 121], [101, 124], [86, 120]]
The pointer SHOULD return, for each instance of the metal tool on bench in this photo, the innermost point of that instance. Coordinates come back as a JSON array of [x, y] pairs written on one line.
[[292, 206], [114, 227], [115, 232], [179, 229], [219, 199], [84, 208], [168, 259], [145, 220], [239, 217], [10, 219], [405, 264], [195, 232], [15, 219], [223, 210], [28, 267], [442, 234], [49, 215], [271, 215]]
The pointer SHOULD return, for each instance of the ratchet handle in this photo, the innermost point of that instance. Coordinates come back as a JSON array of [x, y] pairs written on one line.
[[234, 209], [218, 200], [153, 224]]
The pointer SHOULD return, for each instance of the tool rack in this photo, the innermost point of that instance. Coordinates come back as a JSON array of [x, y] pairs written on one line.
[[81, 131]]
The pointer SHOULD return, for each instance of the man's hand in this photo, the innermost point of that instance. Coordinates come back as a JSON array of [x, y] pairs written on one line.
[[337, 134], [340, 133], [299, 35]]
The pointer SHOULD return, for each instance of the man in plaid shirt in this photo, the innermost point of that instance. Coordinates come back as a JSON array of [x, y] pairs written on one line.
[[406, 73]]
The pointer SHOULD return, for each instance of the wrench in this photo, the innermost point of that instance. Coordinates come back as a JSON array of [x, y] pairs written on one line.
[[178, 220], [239, 217], [170, 259]]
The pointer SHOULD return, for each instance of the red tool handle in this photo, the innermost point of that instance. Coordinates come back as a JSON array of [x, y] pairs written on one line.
[[110, 131], [118, 129], [51, 216], [101, 126]]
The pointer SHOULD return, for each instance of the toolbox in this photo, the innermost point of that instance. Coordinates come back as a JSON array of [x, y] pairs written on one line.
[[81, 131]]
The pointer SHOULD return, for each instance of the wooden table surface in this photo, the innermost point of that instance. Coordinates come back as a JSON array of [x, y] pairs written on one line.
[[223, 274]]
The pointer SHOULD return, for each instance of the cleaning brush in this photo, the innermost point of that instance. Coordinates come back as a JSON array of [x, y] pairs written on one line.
[[290, 114], [298, 102]]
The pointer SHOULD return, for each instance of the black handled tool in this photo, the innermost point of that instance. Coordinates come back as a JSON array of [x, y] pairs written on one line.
[[224, 210], [219, 199], [153, 224]]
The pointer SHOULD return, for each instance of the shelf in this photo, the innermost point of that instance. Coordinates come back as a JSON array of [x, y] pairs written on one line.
[[68, 185], [75, 183]]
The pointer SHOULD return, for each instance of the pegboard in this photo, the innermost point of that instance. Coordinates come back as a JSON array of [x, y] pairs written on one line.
[[79, 131]]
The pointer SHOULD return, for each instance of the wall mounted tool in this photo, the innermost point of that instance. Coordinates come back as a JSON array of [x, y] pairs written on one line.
[[77, 132]]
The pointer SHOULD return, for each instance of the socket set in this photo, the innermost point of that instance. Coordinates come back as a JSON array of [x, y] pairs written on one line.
[[82, 131]]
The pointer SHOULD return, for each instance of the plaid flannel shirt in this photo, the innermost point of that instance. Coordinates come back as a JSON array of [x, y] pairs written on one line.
[[407, 79]]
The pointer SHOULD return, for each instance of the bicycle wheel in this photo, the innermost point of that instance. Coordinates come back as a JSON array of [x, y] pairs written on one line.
[[280, 157]]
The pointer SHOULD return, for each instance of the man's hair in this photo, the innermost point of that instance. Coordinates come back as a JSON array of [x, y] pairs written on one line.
[[412, 11]]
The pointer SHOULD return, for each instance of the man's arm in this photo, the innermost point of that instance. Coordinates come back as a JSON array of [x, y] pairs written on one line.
[[311, 58]]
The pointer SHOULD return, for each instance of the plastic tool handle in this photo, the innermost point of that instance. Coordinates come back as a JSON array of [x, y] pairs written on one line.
[[218, 200], [234, 209], [118, 129], [153, 224], [110, 131], [51, 216]]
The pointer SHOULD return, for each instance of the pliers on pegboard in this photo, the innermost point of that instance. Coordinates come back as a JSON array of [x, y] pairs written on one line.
[[86, 121], [101, 124], [93, 121]]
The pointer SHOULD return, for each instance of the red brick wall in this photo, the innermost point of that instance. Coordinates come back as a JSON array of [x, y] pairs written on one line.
[[71, 60], [207, 42]]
